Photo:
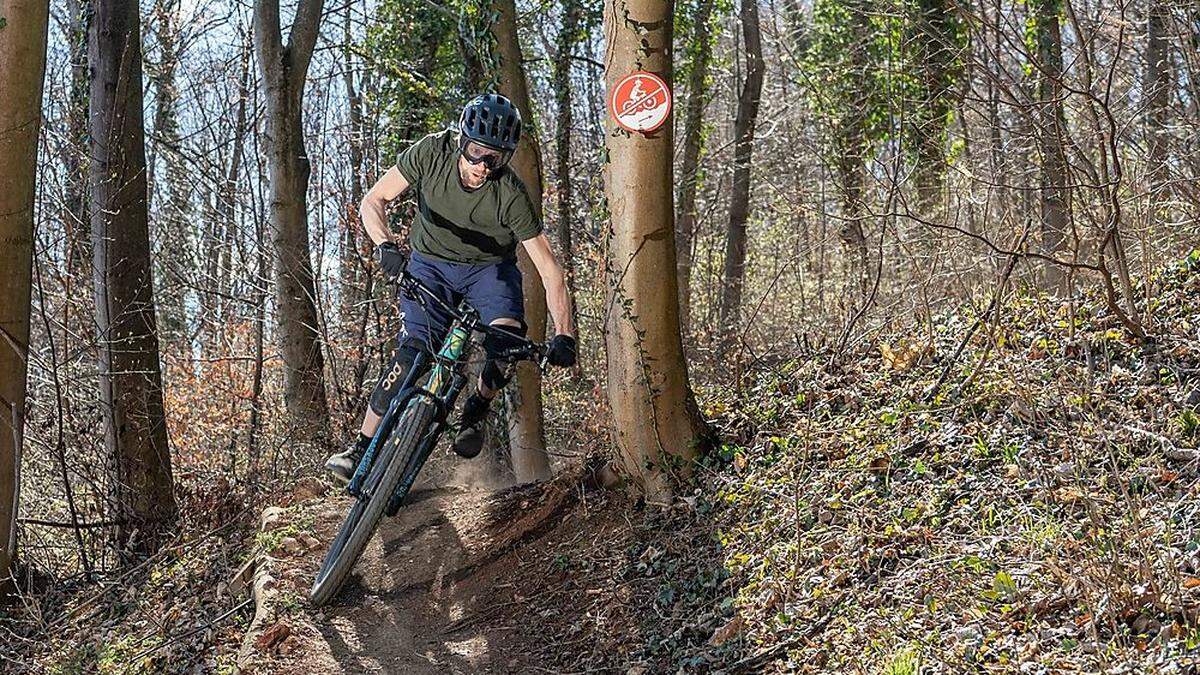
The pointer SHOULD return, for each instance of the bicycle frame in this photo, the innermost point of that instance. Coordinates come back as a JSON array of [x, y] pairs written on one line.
[[446, 380], [444, 384], [442, 389]]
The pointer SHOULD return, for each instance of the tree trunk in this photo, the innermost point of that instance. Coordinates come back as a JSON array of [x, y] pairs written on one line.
[[474, 70], [1156, 85], [354, 271], [1055, 194], [994, 75], [262, 274], [936, 41], [656, 425], [78, 248], [172, 216], [562, 98], [693, 140], [351, 264], [850, 158], [743, 133], [283, 72], [23, 62], [225, 230], [850, 154], [130, 379], [526, 434]]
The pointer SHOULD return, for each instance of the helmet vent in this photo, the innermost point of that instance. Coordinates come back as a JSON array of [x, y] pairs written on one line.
[[492, 120]]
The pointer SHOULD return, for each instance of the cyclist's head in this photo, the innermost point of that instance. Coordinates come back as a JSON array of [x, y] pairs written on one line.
[[490, 128]]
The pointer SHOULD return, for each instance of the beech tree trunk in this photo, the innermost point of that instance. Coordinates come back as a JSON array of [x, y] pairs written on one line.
[[526, 433], [130, 378], [75, 218], [225, 230], [850, 146], [173, 221], [562, 98], [355, 274], [997, 162], [693, 140], [739, 203], [656, 424], [283, 71], [1156, 85], [1051, 125], [935, 44], [23, 62]]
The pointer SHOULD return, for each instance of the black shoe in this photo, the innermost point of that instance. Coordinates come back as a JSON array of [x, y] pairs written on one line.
[[471, 431], [343, 464]]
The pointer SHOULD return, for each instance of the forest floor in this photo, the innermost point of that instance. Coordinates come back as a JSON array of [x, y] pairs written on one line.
[[1029, 503], [551, 577]]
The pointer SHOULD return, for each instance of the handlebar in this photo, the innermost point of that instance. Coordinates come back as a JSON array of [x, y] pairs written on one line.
[[527, 350]]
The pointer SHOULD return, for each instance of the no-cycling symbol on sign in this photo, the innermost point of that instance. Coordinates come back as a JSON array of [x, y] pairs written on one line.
[[640, 102]]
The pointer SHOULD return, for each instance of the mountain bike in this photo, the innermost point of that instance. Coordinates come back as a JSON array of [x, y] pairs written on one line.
[[408, 432]]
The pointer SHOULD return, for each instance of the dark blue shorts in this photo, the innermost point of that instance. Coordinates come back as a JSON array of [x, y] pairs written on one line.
[[493, 289]]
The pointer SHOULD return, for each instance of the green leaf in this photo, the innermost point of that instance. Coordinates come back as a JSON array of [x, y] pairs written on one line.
[[1191, 263], [3, 22], [1003, 585]]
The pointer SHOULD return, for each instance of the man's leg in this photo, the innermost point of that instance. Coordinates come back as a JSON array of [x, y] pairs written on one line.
[[494, 290], [370, 423], [492, 378], [342, 464], [389, 384]]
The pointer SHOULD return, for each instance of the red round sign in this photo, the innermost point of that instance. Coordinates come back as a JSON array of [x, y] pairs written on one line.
[[640, 101]]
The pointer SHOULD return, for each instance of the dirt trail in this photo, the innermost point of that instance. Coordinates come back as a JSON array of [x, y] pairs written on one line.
[[425, 594]]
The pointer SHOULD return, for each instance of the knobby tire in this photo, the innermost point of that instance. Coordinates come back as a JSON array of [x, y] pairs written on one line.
[[401, 448]]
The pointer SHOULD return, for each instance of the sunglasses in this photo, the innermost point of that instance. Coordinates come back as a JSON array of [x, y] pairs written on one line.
[[481, 154]]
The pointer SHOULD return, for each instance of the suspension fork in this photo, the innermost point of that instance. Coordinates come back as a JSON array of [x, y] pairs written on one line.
[[428, 441]]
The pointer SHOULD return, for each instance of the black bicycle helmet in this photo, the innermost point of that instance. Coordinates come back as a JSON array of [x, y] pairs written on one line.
[[492, 120]]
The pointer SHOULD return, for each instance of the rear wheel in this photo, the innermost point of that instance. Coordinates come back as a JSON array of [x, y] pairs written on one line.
[[396, 457]]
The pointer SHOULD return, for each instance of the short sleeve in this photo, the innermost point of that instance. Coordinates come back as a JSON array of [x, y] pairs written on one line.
[[413, 162], [521, 217]]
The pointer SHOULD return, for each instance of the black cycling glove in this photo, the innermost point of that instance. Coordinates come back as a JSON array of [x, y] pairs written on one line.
[[561, 351], [390, 259]]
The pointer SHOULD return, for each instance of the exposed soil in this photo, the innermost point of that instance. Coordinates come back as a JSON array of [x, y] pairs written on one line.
[[434, 592]]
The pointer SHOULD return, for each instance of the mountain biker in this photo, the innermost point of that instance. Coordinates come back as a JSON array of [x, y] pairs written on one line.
[[472, 211]]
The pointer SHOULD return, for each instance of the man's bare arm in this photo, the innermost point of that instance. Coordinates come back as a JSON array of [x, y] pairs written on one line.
[[374, 205], [558, 300]]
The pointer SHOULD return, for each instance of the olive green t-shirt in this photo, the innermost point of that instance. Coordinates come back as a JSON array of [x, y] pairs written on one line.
[[459, 225]]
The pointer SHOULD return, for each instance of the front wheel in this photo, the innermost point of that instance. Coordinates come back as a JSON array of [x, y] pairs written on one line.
[[389, 468]]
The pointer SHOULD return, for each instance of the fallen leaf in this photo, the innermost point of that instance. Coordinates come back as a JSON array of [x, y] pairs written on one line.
[[906, 354], [727, 632], [1069, 495], [272, 636], [880, 464]]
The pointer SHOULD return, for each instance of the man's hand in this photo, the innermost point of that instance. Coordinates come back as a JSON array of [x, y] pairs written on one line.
[[390, 258], [561, 351]]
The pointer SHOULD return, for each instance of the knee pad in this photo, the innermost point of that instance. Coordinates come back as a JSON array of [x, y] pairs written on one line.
[[393, 376], [495, 372], [495, 344]]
